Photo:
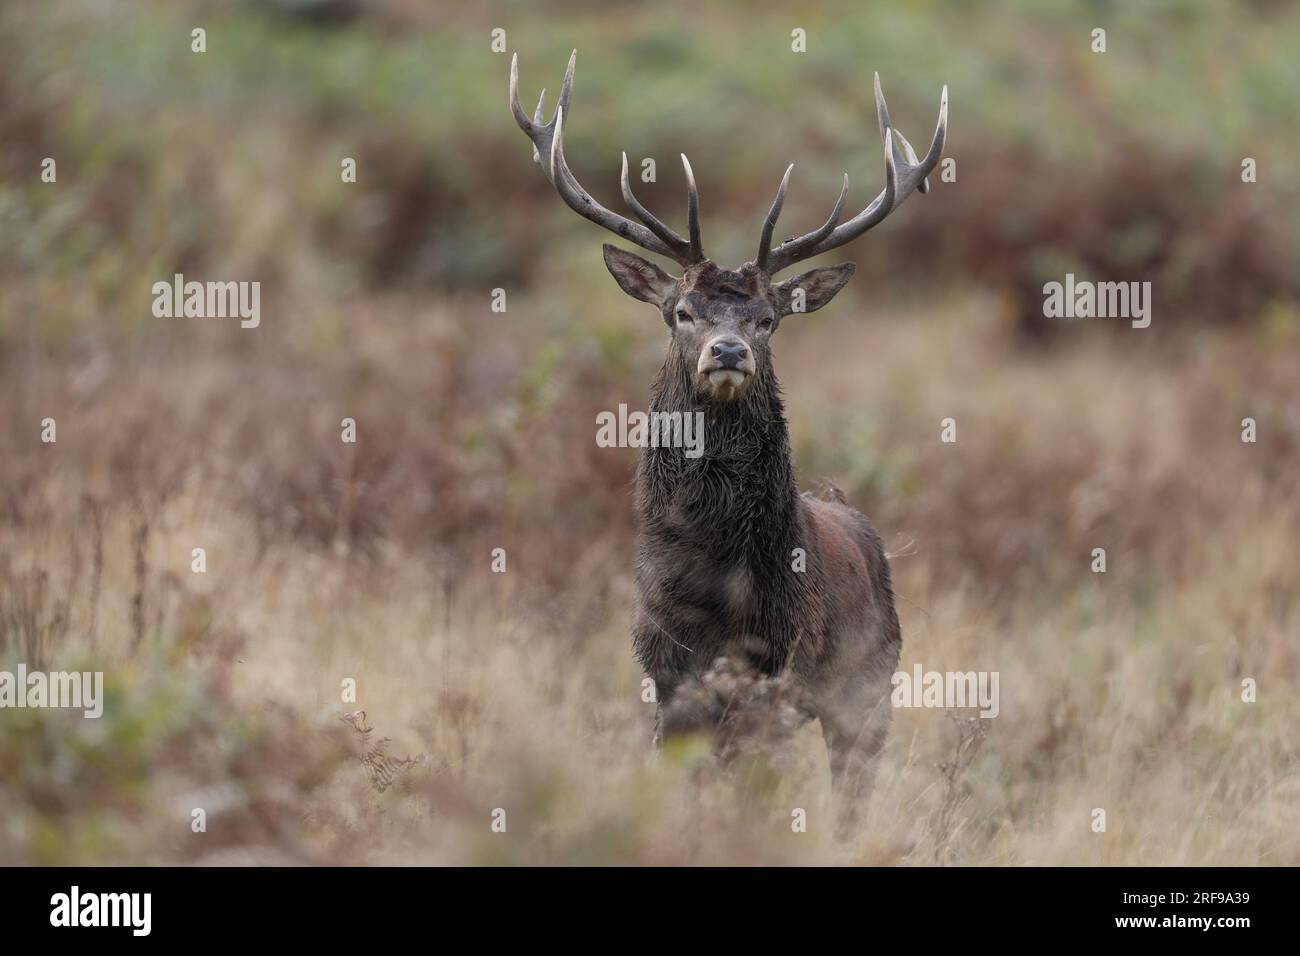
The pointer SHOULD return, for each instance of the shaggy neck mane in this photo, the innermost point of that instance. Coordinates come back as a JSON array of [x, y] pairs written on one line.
[[739, 498]]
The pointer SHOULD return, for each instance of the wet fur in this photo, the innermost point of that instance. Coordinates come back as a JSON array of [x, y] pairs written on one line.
[[715, 576]]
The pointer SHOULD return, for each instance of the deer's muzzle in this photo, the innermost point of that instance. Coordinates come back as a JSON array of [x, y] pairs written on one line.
[[726, 365]]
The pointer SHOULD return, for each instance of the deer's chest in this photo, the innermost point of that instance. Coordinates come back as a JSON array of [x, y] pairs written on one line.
[[707, 592], [714, 567]]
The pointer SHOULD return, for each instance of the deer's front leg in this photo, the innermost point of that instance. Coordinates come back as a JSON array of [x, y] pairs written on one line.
[[855, 725], [660, 668]]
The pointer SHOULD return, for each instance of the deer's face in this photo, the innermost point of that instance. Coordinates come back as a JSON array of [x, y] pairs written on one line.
[[721, 321]]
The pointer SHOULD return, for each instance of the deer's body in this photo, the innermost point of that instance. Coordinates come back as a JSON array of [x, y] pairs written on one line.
[[733, 560]]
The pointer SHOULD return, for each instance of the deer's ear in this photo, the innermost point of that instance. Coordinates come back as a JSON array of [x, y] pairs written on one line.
[[812, 290], [639, 278]]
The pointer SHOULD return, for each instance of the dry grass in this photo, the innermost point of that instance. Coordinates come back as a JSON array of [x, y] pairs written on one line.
[[517, 690]]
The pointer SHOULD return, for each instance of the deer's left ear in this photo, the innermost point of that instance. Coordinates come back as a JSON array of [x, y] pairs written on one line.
[[812, 290]]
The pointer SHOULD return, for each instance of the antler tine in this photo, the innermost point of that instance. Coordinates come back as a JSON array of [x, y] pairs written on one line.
[[521, 117], [765, 237], [903, 175], [882, 109], [538, 116], [548, 142], [792, 249], [940, 133], [910, 155], [657, 226], [692, 211], [566, 88]]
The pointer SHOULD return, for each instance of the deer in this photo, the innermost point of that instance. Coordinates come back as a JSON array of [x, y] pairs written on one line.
[[732, 561]]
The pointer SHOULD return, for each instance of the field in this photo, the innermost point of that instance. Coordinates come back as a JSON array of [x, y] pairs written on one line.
[[372, 562]]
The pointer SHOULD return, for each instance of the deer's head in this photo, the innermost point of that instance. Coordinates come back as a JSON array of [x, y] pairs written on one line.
[[721, 320]]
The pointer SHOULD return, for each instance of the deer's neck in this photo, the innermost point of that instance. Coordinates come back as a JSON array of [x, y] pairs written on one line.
[[738, 497]]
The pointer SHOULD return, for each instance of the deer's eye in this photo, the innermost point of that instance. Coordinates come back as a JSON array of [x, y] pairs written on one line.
[[684, 316], [765, 323]]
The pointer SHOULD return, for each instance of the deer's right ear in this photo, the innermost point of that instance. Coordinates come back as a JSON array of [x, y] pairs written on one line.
[[638, 277]]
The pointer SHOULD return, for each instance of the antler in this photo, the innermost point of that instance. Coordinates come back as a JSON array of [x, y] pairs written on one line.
[[903, 175], [548, 141]]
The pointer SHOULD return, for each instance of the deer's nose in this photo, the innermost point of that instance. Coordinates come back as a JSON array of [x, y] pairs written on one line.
[[729, 354]]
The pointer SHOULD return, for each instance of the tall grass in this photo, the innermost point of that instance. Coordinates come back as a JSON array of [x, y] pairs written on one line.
[[329, 562]]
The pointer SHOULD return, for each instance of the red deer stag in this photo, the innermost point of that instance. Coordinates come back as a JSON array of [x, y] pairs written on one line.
[[721, 533]]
